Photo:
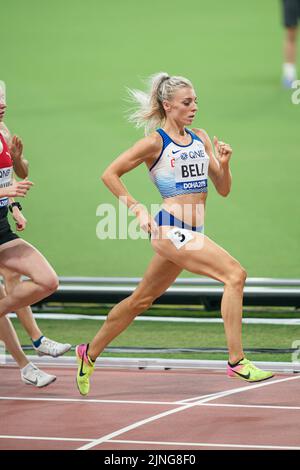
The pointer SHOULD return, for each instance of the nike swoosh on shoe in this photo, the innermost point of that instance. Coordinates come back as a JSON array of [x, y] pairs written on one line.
[[33, 382], [242, 375], [81, 371]]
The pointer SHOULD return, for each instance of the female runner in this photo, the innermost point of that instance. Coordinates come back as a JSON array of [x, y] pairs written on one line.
[[179, 161]]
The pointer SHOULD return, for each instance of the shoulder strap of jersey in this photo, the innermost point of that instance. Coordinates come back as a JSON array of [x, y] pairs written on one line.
[[166, 141], [195, 136]]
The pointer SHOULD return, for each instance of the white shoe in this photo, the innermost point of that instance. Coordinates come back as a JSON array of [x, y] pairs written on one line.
[[32, 375], [48, 347]]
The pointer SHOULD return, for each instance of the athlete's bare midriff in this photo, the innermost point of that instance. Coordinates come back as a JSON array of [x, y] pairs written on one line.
[[188, 207]]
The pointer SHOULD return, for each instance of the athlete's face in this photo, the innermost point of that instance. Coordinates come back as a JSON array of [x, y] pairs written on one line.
[[2, 111], [2, 103], [183, 106]]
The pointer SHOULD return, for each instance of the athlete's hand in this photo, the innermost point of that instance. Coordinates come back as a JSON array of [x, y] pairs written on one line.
[[19, 219], [16, 148], [223, 151], [17, 189], [147, 223]]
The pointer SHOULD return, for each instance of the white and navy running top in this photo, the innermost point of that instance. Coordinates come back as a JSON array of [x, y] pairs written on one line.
[[6, 169], [180, 169]]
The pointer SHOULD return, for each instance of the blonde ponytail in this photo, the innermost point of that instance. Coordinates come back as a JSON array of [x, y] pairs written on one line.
[[149, 112]]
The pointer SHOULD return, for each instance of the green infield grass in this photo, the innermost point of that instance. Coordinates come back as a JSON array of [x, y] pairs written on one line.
[[67, 64]]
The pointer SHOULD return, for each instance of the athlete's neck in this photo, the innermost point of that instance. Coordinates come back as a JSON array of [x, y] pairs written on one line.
[[174, 129]]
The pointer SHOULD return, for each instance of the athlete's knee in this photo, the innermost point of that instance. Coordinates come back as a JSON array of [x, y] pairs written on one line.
[[139, 303], [49, 282], [237, 277]]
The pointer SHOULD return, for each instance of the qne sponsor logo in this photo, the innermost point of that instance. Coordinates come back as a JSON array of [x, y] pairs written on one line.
[[4, 202], [5, 172], [185, 155], [192, 185], [193, 154]]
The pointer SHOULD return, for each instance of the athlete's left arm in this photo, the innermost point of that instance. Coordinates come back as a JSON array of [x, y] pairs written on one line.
[[16, 151], [218, 170]]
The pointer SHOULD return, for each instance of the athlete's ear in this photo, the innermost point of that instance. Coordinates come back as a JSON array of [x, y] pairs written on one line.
[[166, 105]]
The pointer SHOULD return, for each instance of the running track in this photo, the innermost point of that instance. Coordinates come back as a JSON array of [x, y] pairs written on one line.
[[152, 410]]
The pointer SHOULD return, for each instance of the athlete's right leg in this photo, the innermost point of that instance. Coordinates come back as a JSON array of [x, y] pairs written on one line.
[[30, 374], [202, 256], [11, 280], [290, 56], [290, 46], [160, 274]]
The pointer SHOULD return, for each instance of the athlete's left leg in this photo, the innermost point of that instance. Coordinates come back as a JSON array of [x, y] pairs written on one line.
[[23, 258], [159, 275], [42, 344], [30, 374]]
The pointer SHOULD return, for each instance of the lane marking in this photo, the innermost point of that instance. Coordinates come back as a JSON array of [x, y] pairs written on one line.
[[143, 402], [40, 438], [89, 400], [205, 444], [140, 423], [241, 389], [271, 407], [120, 441]]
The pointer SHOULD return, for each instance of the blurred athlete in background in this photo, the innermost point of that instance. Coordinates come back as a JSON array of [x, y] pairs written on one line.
[[291, 17], [18, 257]]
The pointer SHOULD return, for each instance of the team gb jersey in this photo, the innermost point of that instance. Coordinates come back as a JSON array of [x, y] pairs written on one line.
[[180, 169]]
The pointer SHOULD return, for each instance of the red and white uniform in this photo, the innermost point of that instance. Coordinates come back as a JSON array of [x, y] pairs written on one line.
[[6, 169]]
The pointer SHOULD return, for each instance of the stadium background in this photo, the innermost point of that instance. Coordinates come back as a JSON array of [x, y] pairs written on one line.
[[67, 65]]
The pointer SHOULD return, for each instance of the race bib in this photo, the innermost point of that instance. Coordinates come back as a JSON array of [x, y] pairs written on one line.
[[190, 174], [5, 181], [180, 236], [4, 202]]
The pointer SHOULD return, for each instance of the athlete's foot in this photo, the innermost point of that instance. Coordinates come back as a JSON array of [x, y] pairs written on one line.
[[85, 369], [47, 347], [32, 375], [245, 370]]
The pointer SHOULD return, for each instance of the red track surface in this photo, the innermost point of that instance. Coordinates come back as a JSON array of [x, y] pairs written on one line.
[[252, 416]]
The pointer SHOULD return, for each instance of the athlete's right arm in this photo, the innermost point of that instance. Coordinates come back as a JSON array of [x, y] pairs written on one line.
[[145, 150]]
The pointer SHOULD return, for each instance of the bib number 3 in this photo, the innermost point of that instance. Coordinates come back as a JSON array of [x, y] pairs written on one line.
[[180, 237]]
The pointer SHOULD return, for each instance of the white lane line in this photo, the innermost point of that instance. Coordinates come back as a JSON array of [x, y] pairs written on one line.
[[120, 441], [255, 321], [40, 438], [240, 389], [195, 399], [107, 437], [89, 400], [233, 405], [92, 400], [205, 444], [141, 402]]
